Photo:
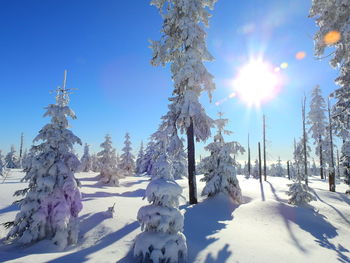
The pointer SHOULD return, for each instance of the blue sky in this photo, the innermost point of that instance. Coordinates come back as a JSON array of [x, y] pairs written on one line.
[[104, 47]]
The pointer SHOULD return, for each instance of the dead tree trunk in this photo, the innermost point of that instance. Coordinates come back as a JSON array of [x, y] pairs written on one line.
[[260, 172], [331, 177], [288, 171], [264, 146], [304, 141], [191, 165], [321, 157], [249, 164]]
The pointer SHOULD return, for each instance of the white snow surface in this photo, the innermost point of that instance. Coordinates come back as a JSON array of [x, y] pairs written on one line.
[[265, 228]]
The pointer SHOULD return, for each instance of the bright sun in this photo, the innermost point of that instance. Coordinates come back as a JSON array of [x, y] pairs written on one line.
[[256, 83]]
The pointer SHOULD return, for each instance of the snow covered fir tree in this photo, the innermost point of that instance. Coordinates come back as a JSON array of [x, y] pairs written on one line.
[[11, 159], [332, 18], [109, 172], [138, 165], [86, 160], [220, 168], [161, 221], [2, 164], [183, 47], [52, 200], [127, 159]]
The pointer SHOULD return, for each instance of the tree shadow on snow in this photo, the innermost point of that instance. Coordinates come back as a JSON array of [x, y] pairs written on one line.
[[311, 221], [9, 208], [205, 219], [128, 184], [83, 254], [90, 179], [222, 256], [90, 196], [137, 193]]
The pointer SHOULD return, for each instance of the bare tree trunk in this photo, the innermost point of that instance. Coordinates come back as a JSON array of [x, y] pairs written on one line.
[[304, 141], [331, 177], [249, 164], [288, 171], [21, 147], [338, 164], [191, 165], [260, 173], [321, 157], [264, 145]]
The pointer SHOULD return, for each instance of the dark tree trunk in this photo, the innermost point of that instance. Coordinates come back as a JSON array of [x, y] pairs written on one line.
[[288, 172], [260, 173], [304, 142], [191, 165], [321, 158], [264, 145], [331, 176], [249, 164]]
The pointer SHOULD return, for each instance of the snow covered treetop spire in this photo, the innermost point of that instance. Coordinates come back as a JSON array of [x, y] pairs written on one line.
[[62, 93], [220, 124]]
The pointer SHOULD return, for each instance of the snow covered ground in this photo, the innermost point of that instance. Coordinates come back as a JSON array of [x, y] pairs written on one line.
[[263, 229]]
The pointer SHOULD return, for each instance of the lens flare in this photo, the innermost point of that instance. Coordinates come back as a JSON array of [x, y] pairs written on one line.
[[256, 83], [300, 55], [332, 37]]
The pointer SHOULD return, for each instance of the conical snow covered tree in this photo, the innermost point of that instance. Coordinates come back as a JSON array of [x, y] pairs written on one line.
[[127, 159], [2, 164], [11, 159], [109, 173], [183, 46], [86, 160], [220, 167], [299, 191], [95, 164], [333, 20], [161, 221], [52, 201], [139, 167], [277, 169], [318, 124]]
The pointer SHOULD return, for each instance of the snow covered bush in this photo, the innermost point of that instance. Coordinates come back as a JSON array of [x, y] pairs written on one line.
[[109, 173], [220, 168], [127, 159], [161, 221], [86, 160], [52, 201]]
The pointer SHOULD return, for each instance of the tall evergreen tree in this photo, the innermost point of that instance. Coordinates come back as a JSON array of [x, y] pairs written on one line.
[[183, 46], [11, 159], [52, 201], [109, 173], [139, 169], [333, 20], [127, 159], [317, 121]]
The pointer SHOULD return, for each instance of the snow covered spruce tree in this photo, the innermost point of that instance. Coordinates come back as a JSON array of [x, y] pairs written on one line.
[[220, 167], [127, 159], [52, 201], [11, 159], [139, 169], [317, 121], [333, 20], [2, 164], [109, 173], [95, 163], [86, 160], [162, 240], [183, 46], [277, 169]]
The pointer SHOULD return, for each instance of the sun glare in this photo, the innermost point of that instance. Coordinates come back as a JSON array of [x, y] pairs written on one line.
[[256, 83]]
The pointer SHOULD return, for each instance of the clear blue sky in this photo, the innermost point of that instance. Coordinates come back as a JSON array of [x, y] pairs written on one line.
[[104, 47]]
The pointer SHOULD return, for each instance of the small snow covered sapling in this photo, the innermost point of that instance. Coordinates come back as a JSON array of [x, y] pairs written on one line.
[[52, 200], [108, 163], [86, 160], [220, 168], [161, 221]]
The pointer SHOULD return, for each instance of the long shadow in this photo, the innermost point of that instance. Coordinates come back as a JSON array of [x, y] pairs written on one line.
[[222, 257], [90, 179], [128, 184], [308, 219], [82, 255], [87, 222], [262, 192], [136, 193], [200, 225], [335, 209], [9, 208]]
